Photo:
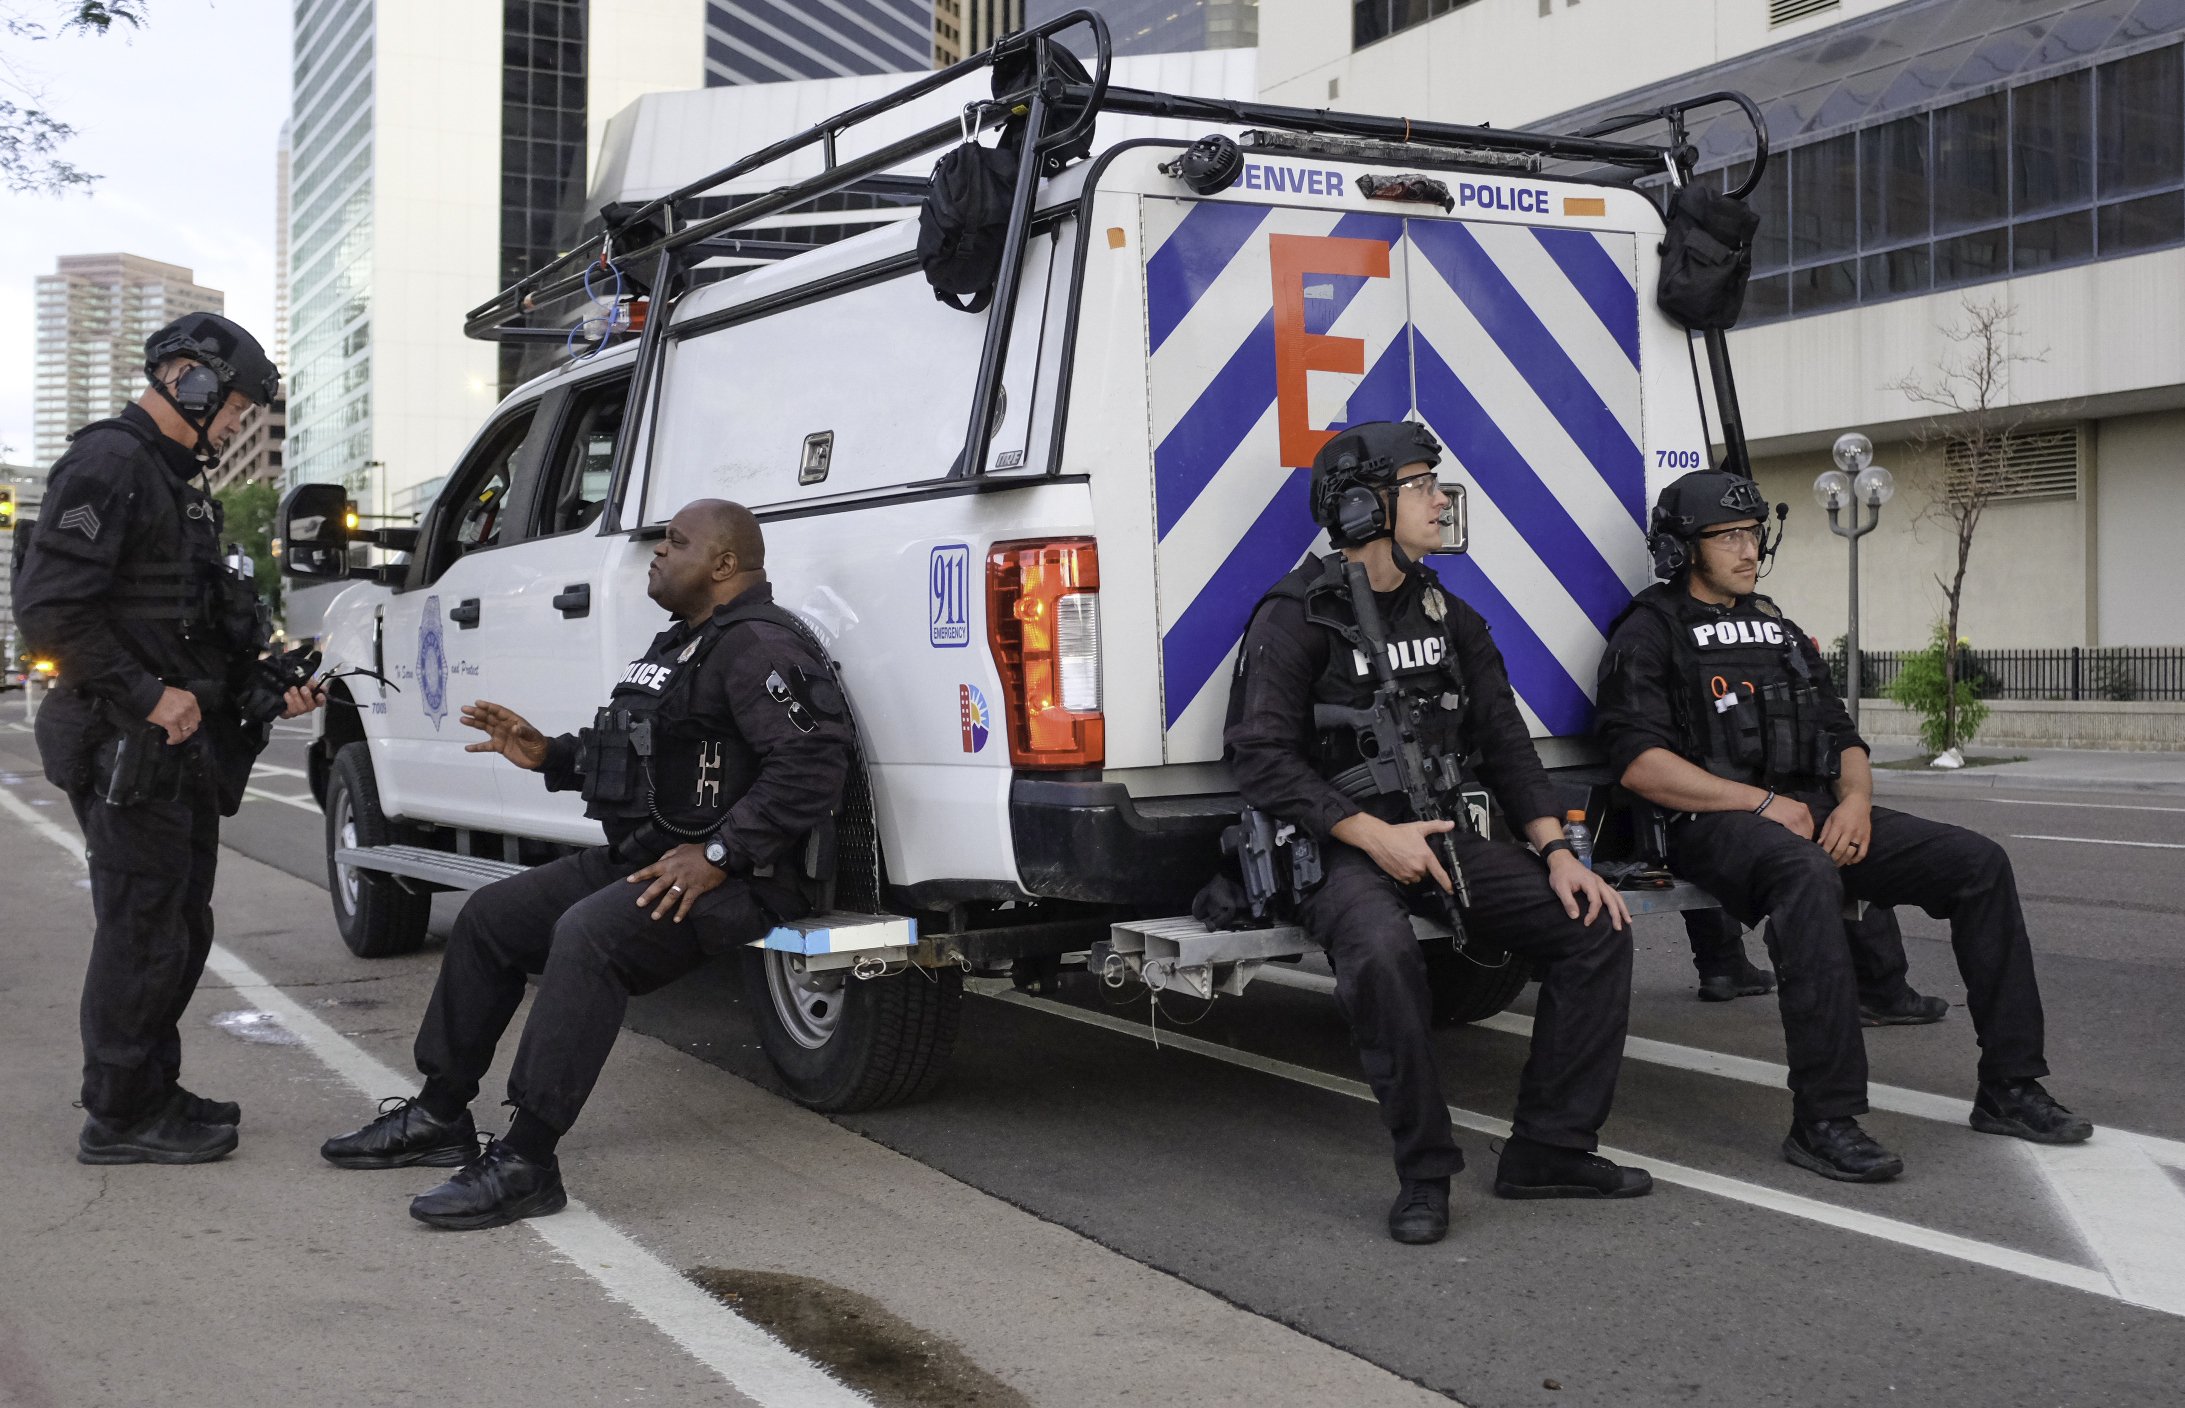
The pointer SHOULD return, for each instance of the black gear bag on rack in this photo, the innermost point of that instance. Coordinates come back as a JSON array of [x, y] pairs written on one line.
[[1707, 257]]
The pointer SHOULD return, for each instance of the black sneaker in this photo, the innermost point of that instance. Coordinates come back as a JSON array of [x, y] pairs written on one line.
[[203, 1111], [1839, 1149], [1745, 980], [2023, 1110], [405, 1133], [166, 1136], [1906, 1009], [1420, 1214], [498, 1187], [1533, 1170]]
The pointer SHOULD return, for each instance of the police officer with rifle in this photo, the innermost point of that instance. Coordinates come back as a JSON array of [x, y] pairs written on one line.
[[714, 767], [1362, 689], [1716, 708], [164, 702]]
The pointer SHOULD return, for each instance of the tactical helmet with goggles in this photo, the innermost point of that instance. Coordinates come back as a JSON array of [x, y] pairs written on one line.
[[1701, 499], [222, 346], [1352, 470]]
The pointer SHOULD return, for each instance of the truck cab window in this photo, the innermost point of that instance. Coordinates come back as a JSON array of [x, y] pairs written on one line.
[[472, 513], [583, 459]]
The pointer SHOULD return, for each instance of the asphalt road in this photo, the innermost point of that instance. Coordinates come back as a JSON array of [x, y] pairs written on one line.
[[1235, 1154]]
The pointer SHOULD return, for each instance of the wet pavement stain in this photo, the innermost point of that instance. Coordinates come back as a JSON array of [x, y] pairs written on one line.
[[256, 1026], [859, 1341]]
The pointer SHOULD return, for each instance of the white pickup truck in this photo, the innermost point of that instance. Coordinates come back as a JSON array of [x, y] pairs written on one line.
[[1035, 616]]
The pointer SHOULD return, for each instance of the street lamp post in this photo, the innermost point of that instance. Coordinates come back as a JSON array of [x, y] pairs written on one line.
[[1856, 480]]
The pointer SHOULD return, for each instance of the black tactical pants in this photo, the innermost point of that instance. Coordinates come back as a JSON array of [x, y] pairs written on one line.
[[1362, 917], [151, 899], [1758, 868], [576, 923], [1877, 950]]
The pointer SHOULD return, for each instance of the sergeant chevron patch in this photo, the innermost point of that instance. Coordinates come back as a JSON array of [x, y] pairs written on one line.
[[81, 519]]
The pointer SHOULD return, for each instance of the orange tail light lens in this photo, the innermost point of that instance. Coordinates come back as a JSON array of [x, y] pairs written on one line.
[[1043, 623]]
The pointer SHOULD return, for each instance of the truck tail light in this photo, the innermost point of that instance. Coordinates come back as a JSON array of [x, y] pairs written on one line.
[[1043, 622]]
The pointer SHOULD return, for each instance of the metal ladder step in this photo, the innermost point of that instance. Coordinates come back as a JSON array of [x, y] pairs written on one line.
[[434, 867]]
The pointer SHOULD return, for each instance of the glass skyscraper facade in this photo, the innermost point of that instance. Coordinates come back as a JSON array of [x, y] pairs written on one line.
[[542, 141], [766, 41], [1163, 26]]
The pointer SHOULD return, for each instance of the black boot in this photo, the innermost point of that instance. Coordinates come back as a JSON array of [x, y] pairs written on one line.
[[203, 1111], [405, 1133], [166, 1136], [1740, 979], [1420, 1214], [1839, 1149], [2023, 1110], [498, 1187], [1903, 1009], [1534, 1170]]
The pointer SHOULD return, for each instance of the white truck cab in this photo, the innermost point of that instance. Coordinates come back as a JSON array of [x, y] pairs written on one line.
[[1031, 538]]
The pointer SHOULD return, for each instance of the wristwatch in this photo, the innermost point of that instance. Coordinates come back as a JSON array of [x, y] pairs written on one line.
[[716, 853]]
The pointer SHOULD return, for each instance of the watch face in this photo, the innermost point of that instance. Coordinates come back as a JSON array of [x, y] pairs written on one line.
[[716, 852]]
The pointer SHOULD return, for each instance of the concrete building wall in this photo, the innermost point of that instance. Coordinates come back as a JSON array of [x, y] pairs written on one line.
[[2140, 567], [639, 47]]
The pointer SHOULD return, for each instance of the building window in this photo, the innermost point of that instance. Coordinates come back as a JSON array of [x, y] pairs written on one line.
[[1375, 20]]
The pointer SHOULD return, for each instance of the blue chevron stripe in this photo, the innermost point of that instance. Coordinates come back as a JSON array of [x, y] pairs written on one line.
[[1518, 332], [1503, 475], [1191, 258], [1594, 272], [1537, 676]]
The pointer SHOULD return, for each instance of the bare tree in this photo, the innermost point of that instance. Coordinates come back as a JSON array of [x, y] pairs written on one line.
[[29, 133], [1966, 449]]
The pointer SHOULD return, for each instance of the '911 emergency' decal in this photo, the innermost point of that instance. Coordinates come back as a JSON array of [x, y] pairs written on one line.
[[948, 597]]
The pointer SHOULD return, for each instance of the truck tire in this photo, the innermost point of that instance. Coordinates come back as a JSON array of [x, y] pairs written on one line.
[[843, 1044], [1465, 988], [376, 916]]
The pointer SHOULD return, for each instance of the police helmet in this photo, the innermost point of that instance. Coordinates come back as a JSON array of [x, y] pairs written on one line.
[[1698, 500], [1352, 469], [228, 359]]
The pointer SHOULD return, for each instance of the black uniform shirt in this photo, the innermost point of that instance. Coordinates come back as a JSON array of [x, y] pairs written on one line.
[[796, 759], [112, 498], [1634, 706], [1270, 746]]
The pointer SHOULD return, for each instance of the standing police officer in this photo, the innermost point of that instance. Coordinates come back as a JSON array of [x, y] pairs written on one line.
[[154, 729], [1374, 490], [725, 746], [1715, 706]]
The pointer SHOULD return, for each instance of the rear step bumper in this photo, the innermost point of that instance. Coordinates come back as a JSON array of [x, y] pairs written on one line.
[[1093, 841]]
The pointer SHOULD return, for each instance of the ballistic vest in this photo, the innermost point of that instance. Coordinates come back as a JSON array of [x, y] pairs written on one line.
[[1747, 702]]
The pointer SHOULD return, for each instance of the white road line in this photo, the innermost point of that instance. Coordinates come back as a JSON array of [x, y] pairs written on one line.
[[2085, 806], [752, 1361], [2098, 841], [2128, 1211], [303, 803], [275, 770], [2039, 1268]]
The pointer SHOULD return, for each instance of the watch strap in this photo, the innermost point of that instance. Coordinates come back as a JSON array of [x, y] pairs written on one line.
[[1560, 843]]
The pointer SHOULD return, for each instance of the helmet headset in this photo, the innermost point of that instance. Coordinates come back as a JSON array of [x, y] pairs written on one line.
[[220, 357], [1353, 472], [1701, 499]]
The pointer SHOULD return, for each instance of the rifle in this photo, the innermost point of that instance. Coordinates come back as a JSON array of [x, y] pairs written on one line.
[[1395, 760]]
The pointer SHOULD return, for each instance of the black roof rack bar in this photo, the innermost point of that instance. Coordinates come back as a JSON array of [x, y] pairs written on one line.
[[1675, 113]]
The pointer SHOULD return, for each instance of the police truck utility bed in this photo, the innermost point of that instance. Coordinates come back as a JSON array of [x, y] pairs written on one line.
[[1029, 536]]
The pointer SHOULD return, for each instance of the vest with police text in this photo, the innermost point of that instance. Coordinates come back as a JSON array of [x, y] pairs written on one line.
[[1749, 707]]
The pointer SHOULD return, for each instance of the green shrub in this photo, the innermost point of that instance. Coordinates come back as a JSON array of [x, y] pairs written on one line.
[[1918, 687]]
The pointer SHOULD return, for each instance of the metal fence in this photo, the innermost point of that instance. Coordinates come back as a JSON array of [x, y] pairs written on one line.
[[2104, 672]]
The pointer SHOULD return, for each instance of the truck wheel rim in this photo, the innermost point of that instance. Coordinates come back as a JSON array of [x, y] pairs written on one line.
[[345, 833], [809, 1004]]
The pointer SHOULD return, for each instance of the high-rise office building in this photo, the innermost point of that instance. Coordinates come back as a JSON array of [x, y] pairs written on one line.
[[418, 191], [261, 440], [94, 313], [962, 28], [1163, 26], [766, 41]]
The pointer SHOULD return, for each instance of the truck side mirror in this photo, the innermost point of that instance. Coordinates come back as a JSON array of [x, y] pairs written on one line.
[[315, 532]]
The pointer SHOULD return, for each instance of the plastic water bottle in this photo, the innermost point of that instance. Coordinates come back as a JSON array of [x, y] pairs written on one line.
[[1581, 840]]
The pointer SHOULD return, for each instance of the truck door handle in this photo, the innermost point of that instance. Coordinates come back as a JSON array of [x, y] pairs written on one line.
[[575, 600], [464, 613]]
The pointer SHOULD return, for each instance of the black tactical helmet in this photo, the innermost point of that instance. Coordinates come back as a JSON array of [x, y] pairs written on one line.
[[1352, 468], [1698, 500], [221, 345]]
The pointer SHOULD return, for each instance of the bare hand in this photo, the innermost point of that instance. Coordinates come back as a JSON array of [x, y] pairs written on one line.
[[1848, 832], [1792, 815], [1401, 850], [678, 879], [507, 733], [302, 700], [1569, 879], [177, 713]]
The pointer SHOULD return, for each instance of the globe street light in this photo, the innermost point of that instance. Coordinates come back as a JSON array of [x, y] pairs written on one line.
[[1856, 480]]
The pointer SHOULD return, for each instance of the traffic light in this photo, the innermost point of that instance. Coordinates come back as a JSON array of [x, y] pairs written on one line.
[[349, 517], [7, 506]]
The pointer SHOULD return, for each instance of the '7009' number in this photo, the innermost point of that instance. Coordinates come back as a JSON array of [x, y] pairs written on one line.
[[1678, 459]]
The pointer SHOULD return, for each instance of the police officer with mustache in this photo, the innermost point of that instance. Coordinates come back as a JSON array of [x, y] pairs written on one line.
[[1374, 490], [1716, 707], [717, 754]]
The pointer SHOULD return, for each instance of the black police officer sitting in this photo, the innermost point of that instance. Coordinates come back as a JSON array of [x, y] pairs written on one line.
[[750, 744], [1374, 490], [124, 587], [1715, 706]]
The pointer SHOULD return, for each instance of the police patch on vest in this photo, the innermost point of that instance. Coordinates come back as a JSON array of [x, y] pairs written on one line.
[[1423, 653], [645, 675], [1715, 635]]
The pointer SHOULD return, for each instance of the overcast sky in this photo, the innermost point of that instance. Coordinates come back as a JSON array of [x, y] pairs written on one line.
[[181, 120]]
